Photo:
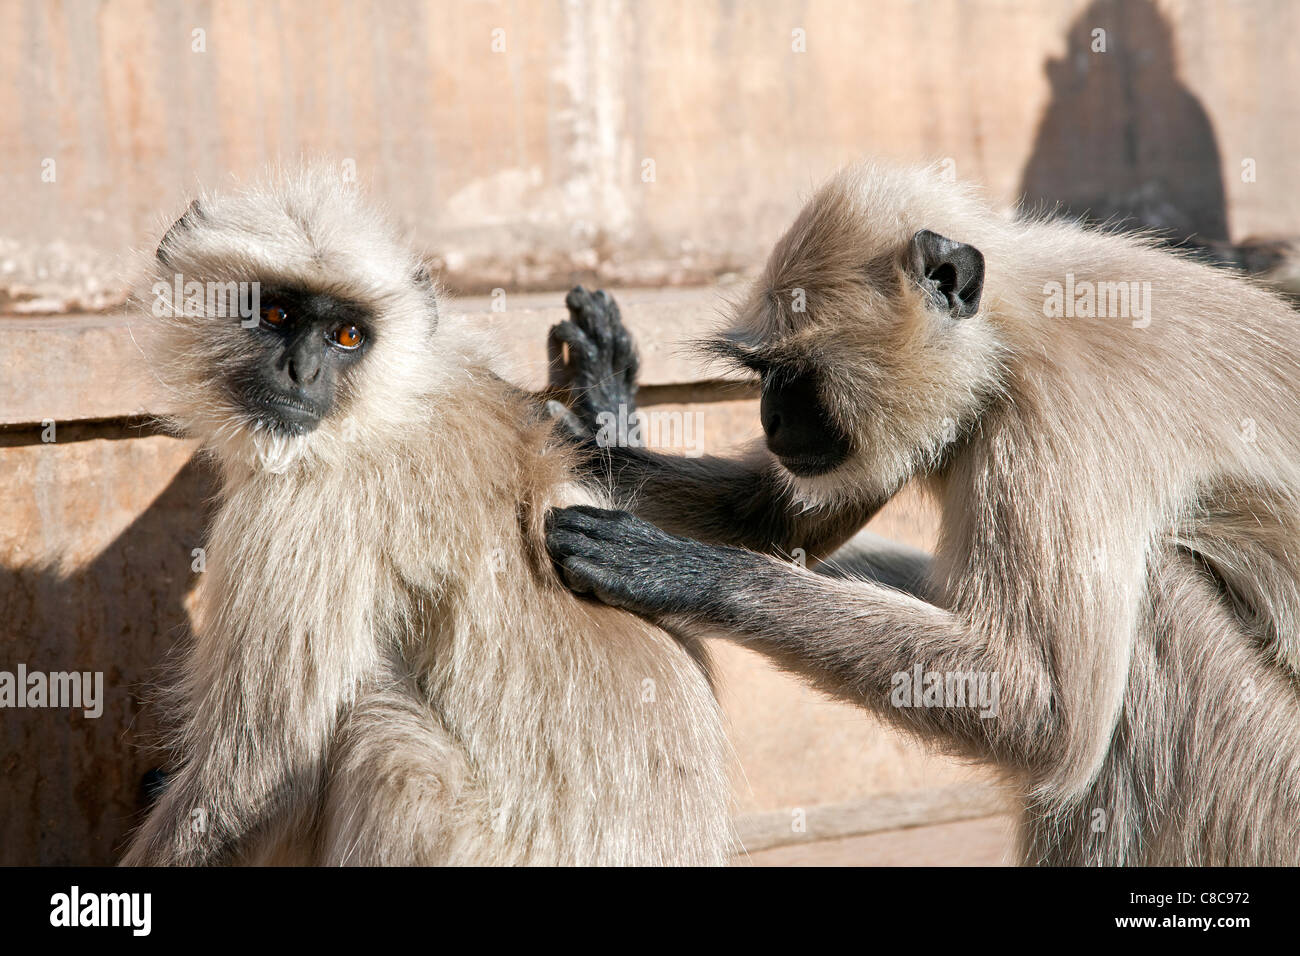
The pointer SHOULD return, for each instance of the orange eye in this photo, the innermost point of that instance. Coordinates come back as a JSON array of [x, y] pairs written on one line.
[[348, 336], [274, 315]]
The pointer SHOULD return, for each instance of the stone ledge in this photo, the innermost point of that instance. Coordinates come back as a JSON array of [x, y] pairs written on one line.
[[88, 367], [892, 811], [982, 841]]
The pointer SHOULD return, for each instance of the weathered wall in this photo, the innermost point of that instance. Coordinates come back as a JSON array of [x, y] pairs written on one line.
[[525, 167], [94, 575], [522, 169]]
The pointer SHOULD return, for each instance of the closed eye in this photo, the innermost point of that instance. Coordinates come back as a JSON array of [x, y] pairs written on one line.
[[733, 353]]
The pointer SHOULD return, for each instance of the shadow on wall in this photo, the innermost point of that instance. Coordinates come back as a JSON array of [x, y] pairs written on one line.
[[1122, 139], [71, 789]]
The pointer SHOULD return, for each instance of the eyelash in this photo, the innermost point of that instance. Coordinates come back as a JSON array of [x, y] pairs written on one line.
[[736, 355]]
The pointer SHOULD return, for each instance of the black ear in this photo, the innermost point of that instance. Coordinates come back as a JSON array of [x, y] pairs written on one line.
[[191, 215], [952, 272]]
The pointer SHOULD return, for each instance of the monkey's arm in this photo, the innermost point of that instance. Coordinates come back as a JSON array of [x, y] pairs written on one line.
[[870, 557], [210, 809], [735, 502], [857, 641], [241, 782], [740, 502]]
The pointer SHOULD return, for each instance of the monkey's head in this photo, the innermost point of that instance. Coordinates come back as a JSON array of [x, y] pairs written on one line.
[[869, 330], [289, 321]]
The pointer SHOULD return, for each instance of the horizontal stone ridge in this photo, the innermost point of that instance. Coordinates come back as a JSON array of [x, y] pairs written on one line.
[[87, 367]]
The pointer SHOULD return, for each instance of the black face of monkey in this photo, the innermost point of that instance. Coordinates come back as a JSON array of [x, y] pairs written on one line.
[[305, 343], [799, 430]]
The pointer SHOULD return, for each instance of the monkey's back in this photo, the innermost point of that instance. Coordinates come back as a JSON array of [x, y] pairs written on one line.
[[590, 736], [1148, 467]]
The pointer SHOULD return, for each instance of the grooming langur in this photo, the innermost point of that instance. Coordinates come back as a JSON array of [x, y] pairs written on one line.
[[385, 667], [1113, 435]]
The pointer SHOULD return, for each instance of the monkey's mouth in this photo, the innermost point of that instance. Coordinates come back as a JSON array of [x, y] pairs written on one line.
[[285, 414], [809, 466]]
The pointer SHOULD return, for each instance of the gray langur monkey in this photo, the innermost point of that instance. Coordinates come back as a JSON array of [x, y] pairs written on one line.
[[385, 667], [1112, 433]]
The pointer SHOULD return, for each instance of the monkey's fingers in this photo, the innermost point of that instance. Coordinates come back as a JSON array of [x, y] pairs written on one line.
[[584, 358], [573, 518], [624, 358], [612, 336], [575, 299], [581, 518], [591, 313], [570, 549], [598, 316], [569, 423], [583, 308], [579, 576]]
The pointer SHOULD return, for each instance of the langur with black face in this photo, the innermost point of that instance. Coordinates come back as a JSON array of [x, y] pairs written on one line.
[[385, 667], [1112, 433]]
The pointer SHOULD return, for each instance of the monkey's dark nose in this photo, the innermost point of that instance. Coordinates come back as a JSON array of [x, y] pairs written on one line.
[[303, 360], [799, 430], [791, 415]]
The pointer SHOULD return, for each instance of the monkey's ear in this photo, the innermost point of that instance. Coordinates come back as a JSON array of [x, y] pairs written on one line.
[[423, 280], [952, 272], [188, 218]]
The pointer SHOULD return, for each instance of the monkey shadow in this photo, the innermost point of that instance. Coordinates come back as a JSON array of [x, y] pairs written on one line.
[[1122, 140], [72, 784]]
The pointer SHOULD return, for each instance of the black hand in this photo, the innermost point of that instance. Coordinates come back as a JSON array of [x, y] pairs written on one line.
[[602, 364], [632, 564]]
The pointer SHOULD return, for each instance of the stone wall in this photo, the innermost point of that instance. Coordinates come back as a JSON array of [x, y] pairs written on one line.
[[639, 143], [626, 144]]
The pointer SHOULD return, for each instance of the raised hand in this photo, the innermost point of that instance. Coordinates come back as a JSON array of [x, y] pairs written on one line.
[[601, 366]]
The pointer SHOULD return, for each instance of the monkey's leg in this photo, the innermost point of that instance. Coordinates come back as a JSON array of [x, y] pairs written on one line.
[[857, 641], [400, 790], [207, 815], [254, 756]]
